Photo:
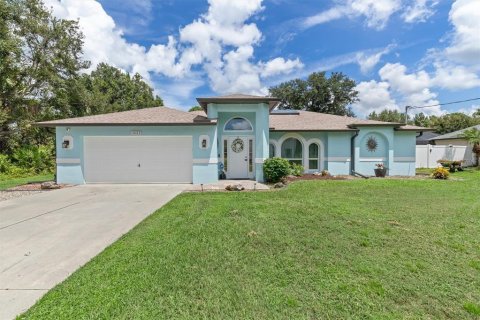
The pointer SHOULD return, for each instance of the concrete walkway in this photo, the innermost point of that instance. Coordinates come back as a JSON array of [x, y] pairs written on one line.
[[46, 237], [249, 185]]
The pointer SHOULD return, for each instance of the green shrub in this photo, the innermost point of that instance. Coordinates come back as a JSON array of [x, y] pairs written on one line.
[[37, 159], [274, 169], [5, 163], [440, 173], [296, 169], [17, 172]]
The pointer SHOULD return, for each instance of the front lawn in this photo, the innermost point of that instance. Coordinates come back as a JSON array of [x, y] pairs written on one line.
[[9, 182], [382, 249]]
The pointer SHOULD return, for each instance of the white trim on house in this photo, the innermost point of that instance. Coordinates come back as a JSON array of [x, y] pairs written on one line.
[[339, 159], [321, 154], [205, 161], [240, 117], [403, 159], [277, 147], [305, 145], [372, 159], [68, 160]]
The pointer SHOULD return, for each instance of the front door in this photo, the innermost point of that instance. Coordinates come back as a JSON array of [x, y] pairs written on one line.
[[240, 157]]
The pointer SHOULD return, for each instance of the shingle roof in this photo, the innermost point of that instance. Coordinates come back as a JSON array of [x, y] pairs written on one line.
[[298, 121], [455, 134], [425, 137], [314, 121], [147, 116]]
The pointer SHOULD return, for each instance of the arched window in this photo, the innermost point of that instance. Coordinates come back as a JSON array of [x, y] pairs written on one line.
[[271, 150], [238, 124], [313, 156], [292, 150]]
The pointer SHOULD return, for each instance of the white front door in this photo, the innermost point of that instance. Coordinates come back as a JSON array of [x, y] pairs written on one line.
[[240, 157]]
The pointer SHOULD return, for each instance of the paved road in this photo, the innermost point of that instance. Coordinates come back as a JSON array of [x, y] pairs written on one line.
[[46, 237]]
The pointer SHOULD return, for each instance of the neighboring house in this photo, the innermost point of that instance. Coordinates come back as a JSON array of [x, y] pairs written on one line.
[[425, 138], [235, 133], [453, 139]]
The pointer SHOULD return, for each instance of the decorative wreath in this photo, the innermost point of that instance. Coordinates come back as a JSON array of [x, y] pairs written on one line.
[[372, 144], [237, 145]]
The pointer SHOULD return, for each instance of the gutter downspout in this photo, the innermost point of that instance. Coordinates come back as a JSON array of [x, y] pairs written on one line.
[[352, 152], [420, 134]]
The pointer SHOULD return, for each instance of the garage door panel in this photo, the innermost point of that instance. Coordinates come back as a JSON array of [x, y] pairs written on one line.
[[138, 159]]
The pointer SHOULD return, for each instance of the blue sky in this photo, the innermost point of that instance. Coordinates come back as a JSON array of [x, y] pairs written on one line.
[[400, 52]]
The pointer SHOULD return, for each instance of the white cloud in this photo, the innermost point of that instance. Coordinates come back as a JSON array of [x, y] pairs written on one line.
[[373, 96], [413, 88], [376, 13], [368, 60], [220, 43], [325, 16], [470, 110], [396, 75], [280, 66], [419, 11], [465, 47], [455, 77]]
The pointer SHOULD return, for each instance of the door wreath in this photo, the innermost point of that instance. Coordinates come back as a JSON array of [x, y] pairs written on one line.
[[237, 145]]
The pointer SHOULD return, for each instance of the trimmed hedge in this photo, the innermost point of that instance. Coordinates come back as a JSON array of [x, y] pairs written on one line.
[[274, 169]]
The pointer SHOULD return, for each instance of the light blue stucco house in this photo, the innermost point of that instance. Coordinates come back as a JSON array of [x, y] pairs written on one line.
[[233, 135]]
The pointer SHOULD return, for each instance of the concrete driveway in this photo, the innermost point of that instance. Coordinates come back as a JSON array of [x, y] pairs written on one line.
[[46, 237]]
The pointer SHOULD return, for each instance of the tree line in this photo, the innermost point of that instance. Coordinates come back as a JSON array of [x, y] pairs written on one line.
[[446, 123], [43, 76]]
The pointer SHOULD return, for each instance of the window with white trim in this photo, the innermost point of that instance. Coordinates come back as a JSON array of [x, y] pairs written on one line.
[[292, 150], [313, 156], [225, 155], [250, 155], [238, 124]]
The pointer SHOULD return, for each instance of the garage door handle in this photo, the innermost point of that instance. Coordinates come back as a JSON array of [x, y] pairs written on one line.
[[138, 165]]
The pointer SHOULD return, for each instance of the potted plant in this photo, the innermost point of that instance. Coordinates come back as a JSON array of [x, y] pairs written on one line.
[[381, 170]]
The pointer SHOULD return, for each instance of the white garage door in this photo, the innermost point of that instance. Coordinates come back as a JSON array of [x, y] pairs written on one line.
[[138, 159]]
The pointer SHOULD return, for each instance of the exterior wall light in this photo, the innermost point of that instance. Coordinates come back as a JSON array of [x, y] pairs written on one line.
[[204, 142], [67, 142]]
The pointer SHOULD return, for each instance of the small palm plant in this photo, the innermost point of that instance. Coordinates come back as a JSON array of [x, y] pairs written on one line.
[[473, 137]]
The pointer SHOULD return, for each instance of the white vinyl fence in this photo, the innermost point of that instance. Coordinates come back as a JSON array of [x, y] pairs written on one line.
[[428, 155]]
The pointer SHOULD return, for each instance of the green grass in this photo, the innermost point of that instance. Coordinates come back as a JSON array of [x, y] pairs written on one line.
[[8, 182], [364, 249]]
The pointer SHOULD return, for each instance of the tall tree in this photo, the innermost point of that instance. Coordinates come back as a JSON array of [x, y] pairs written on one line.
[[106, 89], [476, 114], [421, 120], [39, 52], [195, 108], [452, 122], [388, 116], [318, 93], [473, 137]]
